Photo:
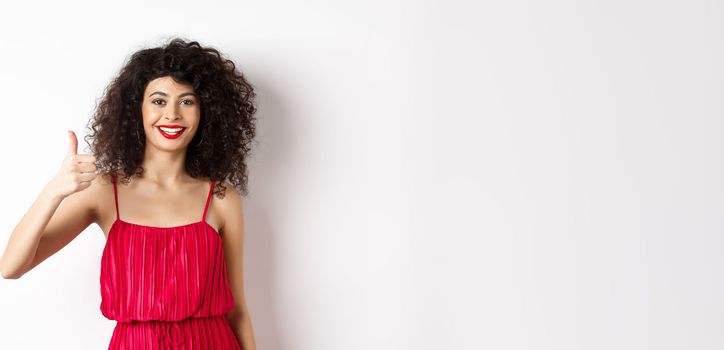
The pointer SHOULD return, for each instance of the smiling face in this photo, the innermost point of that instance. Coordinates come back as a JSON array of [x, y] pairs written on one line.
[[171, 114]]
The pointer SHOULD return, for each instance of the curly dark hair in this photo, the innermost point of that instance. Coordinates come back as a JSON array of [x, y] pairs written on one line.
[[223, 143]]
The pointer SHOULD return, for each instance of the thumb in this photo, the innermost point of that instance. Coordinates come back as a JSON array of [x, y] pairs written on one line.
[[73, 148]]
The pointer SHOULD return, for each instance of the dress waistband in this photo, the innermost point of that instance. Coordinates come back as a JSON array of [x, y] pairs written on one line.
[[164, 332], [212, 331], [170, 332]]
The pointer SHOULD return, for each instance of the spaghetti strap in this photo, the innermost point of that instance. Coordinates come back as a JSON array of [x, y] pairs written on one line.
[[115, 195], [208, 200]]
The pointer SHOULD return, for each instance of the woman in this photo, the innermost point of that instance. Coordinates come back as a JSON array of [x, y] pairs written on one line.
[[170, 139]]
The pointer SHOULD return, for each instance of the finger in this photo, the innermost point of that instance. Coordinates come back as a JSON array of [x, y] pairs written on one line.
[[82, 177], [86, 167], [84, 185], [84, 158], [73, 148]]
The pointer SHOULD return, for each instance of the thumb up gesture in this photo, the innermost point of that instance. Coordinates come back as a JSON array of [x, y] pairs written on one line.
[[76, 172]]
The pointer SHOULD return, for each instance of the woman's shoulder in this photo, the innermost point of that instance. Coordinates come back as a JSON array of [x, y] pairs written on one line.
[[225, 188], [227, 198], [103, 181]]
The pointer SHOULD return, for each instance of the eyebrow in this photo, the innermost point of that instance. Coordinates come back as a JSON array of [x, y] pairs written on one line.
[[165, 94]]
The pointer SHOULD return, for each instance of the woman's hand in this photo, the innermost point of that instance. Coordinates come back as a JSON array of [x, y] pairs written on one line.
[[76, 172], [41, 231]]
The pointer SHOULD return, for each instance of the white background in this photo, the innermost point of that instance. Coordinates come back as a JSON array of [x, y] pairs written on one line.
[[430, 175]]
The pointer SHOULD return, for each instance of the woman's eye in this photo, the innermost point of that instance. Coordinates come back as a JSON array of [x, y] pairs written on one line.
[[185, 101]]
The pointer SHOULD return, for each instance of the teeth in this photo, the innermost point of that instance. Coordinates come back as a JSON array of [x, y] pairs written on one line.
[[170, 130]]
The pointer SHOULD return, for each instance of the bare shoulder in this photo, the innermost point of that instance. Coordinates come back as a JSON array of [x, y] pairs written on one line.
[[93, 197], [101, 182], [229, 199], [229, 206]]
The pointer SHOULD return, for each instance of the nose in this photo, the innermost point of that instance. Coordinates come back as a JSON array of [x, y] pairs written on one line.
[[171, 112]]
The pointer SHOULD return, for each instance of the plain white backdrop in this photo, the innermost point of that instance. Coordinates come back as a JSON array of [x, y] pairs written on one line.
[[430, 175]]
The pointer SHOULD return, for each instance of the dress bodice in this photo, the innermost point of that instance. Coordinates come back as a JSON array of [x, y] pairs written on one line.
[[163, 273]]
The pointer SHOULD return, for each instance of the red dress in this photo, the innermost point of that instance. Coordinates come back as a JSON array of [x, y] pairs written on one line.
[[166, 287]]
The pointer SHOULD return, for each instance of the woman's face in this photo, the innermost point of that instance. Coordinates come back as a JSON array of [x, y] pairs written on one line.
[[171, 114]]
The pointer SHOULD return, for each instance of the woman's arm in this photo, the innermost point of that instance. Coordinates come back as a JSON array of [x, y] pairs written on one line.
[[41, 232], [232, 232]]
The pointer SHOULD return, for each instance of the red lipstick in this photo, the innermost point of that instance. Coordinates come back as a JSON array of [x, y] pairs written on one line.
[[171, 136]]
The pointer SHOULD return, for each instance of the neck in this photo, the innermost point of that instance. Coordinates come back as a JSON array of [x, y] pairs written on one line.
[[164, 167]]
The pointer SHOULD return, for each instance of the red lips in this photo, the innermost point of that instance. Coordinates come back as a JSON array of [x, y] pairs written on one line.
[[171, 136]]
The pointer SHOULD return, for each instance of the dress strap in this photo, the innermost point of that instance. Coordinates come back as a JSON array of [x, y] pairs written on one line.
[[115, 195], [208, 199]]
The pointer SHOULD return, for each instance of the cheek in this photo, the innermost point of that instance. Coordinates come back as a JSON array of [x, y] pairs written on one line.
[[196, 120], [145, 114]]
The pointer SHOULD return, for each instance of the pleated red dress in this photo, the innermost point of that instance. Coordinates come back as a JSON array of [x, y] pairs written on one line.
[[166, 287]]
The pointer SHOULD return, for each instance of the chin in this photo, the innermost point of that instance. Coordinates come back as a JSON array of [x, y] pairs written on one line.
[[171, 146]]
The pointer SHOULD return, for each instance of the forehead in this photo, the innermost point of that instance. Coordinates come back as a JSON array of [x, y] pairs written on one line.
[[167, 85]]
